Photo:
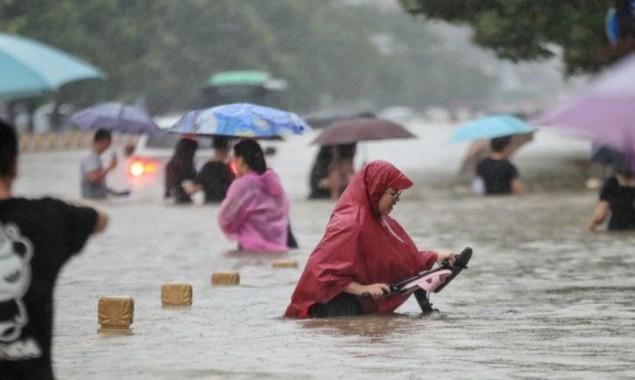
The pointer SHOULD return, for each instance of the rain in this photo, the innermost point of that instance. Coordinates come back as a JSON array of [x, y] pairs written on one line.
[[426, 85]]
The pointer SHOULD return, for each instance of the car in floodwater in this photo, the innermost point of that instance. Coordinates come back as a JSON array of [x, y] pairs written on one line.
[[145, 169]]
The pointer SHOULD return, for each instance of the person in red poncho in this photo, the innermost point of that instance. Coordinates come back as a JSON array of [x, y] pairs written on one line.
[[362, 251]]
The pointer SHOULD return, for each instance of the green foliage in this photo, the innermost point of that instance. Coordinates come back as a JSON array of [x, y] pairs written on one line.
[[165, 50], [530, 30]]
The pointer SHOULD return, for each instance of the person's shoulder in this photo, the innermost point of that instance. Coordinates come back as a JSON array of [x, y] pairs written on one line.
[[89, 157], [42, 206], [35, 201], [611, 181], [509, 164], [90, 153], [483, 164], [215, 166], [51, 202]]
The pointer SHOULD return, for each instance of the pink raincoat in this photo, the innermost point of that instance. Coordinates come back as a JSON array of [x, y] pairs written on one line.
[[361, 245], [255, 212]]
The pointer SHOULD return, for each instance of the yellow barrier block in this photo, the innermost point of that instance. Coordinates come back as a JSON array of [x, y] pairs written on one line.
[[285, 264], [51, 141], [225, 278], [38, 142], [115, 313], [67, 140], [25, 142], [173, 294]]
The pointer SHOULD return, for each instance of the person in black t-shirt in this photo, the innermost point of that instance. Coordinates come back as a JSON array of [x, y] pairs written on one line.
[[37, 237], [498, 174], [216, 176], [616, 198]]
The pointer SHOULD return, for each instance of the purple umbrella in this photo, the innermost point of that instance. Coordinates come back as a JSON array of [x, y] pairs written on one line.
[[605, 112], [115, 117]]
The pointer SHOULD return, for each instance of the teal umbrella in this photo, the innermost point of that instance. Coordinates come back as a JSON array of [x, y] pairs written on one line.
[[491, 127], [30, 68]]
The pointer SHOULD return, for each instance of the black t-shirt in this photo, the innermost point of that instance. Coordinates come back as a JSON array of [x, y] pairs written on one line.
[[215, 177], [497, 175], [620, 199], [36, 238]]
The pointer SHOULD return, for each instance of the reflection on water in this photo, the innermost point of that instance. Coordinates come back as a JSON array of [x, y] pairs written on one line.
[[542, 298]]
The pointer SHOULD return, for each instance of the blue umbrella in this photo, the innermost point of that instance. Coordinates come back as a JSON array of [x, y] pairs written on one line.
[[30, 68], [241, 120], [115, 117], [491, 127]]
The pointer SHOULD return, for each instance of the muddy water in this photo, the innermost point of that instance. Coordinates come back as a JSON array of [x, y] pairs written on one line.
[[542, 298]]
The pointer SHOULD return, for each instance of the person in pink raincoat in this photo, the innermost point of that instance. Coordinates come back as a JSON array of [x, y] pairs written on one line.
[[256, 209]]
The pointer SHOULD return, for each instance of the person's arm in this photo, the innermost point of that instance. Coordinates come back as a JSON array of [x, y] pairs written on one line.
[[517, 187], [599, 215], [102, 221], [450, 256], [233, 210], [102, 218], [375, 290], [98, 175], [334, 180]]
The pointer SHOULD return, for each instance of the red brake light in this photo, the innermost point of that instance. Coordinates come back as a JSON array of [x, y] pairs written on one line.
[[139, 167]]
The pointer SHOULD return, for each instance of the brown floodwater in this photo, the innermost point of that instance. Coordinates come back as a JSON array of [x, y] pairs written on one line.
[[542, 297]]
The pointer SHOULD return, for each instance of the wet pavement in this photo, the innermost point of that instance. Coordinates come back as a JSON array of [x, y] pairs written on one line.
[[542, 298]]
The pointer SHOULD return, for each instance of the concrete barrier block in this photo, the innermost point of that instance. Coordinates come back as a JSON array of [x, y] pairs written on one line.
[[225, 278], [173, 294], [115, 313]]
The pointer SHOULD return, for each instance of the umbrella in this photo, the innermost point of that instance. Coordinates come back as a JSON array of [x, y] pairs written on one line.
[[605, 111], [30, 68], [364, 129], [115, 117], [241, 120], [491, 127], [322, 119]]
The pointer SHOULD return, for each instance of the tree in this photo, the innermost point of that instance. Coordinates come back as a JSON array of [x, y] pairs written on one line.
[[531, 30]]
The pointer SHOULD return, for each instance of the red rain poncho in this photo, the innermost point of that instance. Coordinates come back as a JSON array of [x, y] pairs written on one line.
[[361, 246]]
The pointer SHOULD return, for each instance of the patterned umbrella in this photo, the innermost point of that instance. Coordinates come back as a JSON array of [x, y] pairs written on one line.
[[241, 120]]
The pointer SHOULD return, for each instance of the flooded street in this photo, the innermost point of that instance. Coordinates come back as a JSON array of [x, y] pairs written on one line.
[[542, 298]]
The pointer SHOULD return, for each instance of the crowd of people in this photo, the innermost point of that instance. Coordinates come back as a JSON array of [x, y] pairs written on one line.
[[362, 251]]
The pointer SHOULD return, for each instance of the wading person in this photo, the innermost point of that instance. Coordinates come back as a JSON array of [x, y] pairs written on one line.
[[342, 168], [180, 172], [256, 210], [216, 176], [362, 251], [498, 174], [93, 173], [617, 200], [37, 237]]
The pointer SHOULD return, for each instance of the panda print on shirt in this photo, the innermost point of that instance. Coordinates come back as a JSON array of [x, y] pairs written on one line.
[[16, 252]]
